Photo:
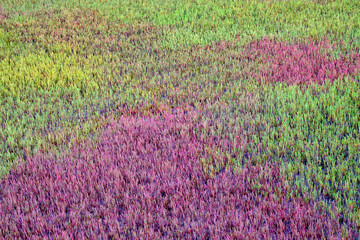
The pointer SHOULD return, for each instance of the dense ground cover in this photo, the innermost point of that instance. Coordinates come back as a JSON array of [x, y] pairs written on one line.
[[247, 111]]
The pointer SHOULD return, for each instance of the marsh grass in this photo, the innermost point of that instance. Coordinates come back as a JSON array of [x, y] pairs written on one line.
[[268, 88]]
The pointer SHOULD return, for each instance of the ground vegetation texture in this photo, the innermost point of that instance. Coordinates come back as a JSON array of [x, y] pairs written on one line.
[[179, 119]]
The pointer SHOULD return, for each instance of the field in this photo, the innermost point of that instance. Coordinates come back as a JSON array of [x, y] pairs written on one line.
[[179, 119]]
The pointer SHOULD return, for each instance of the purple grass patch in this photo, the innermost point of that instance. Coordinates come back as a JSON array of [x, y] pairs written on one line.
[[144, 179], [299, 63]]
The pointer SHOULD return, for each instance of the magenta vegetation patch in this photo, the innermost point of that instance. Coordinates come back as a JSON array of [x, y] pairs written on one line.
[[2, 13], [301, 63], [145, 180]]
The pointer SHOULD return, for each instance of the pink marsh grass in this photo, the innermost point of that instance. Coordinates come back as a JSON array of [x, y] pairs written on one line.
[[145, 179], [298, 63]]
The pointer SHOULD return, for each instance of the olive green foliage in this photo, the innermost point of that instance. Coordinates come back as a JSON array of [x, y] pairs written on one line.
[[317, 137]]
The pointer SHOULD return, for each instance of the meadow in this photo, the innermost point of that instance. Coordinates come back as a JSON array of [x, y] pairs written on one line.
[[180, 119]]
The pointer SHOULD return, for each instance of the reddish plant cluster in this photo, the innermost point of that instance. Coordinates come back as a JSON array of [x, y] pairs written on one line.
[[300, 63], [145, 180], [3, 14]]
